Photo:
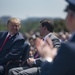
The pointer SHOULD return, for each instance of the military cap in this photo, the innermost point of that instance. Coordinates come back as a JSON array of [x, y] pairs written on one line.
[[71, 5]]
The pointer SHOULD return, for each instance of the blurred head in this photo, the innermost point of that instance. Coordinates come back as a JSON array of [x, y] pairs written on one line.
[[13, 25], [70, 19], [31, 41], [46, 26]]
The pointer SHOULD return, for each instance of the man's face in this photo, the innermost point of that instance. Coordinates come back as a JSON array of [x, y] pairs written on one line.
[[70, 21], [13, 27]]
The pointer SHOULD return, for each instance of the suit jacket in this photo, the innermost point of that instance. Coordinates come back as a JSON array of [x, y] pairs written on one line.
[[12, 49], [56, 44], [64, 62]]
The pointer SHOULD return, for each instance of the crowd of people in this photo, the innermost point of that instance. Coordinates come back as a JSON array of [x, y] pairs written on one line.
[[63, 37], [44, 53]]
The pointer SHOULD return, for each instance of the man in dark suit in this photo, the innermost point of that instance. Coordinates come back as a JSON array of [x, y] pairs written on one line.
[[11, 43], [63, 62], [46, 30]]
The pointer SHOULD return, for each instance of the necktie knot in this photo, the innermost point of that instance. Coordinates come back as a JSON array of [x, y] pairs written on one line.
[[9, 36]]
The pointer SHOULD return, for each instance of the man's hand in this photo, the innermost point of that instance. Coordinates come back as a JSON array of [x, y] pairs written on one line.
[[45, 49], [30, 61]]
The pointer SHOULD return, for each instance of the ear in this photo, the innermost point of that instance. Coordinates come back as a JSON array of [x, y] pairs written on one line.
[[71, 18]]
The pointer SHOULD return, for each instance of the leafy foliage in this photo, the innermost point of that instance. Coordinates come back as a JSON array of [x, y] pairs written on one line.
[[34, 25]]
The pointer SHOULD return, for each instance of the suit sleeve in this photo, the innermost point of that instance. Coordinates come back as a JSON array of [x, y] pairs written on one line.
[[25, 54], [15, 51], [56, 41], [64, 62]]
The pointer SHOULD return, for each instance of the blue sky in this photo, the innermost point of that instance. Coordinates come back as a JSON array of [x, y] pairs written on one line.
[[32, 8]]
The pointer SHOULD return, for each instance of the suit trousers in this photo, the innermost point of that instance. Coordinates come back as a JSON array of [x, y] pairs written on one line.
[[23, 71]]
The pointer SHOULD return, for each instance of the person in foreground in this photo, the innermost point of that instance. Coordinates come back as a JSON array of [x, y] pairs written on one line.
[[63, 62], [11, 43]]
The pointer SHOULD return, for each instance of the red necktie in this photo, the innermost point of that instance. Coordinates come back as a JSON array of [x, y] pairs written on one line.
[[6, 39]]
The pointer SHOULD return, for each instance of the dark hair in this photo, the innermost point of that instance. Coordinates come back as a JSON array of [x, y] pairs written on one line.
[[48, 24]]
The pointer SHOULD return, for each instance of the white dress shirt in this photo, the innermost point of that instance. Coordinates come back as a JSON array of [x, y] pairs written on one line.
[[45, 38]]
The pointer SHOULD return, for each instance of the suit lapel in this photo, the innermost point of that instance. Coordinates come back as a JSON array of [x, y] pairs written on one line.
[[10, 42]]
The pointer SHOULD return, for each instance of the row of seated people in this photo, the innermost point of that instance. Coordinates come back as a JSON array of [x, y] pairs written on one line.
[[13, 47], [32, 65]]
